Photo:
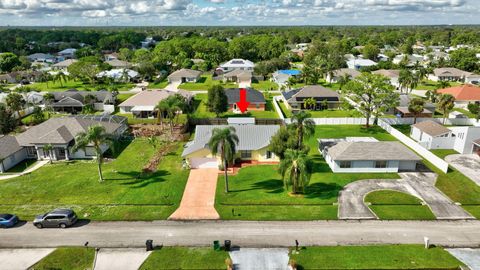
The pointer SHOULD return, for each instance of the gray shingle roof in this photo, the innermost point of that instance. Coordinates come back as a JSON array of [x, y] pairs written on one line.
[[181, 73], [8, 146], [432, 128], [317, 92], [100, 96], [60, 130], [251, 137], [253, 96], [348, 151]]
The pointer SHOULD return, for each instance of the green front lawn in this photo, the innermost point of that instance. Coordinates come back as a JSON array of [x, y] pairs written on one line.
[[204, 83], [375, 257], [201, 110], [388, 204], [170, 258], [79, 85], [431, 85], [265, 86], [72, 258], [442, 153], [126, 194], [257, 192], [158, 85], [22, 166]]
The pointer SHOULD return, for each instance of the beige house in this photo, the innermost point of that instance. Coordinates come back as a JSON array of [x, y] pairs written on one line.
[[64, 64], [142, 105], [252, 147]]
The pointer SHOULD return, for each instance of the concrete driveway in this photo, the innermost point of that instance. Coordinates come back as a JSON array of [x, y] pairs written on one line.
[[120, 258], [198, 201], [467, 164], [260, 258], [21, 259], [421, 185], [173, 86], [469, 256]]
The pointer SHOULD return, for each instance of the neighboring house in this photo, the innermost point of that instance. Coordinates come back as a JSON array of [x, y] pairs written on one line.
[[412, 59], [339, 73], [237, 64], [432, 135], [23, 77], [436, 56], [184, 75], [281, 77], [73, 101], [448, 74], [366, 155], [463, 94], [254, 97], [252, 146], [302, 46], [41, 57], [473, 79], [110, 56], [118, 64], [33, 97], [392, 74], [142, 105], [358, 64], [7, 78], [66, 54], [294, 99], [120, 75], [148, 42], [63, 65], [402, 109], [11, 153], [61, 132], [238, 76]]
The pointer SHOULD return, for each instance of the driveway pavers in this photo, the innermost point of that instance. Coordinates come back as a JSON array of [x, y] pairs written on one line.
[[469, 256], [21, 259], [198, 201], [260, 258], [469, 165], [120, 258]]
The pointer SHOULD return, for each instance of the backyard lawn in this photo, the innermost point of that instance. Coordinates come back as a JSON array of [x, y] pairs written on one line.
[[170, 258], [201, 110], [79, 85], [375, 257], [204, 83], [323, 113], [389, 204], [431, 85], [72, 258], [265, 85], [257, 193], [126, 194]]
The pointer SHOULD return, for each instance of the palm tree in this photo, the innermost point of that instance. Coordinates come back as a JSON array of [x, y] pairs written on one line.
[[48, 149], [416, 107], [443, 84], [224, 141], [296, 170], [343, 80], [172, 105], [309, 103], [97, 137], [305, 127], [445, 104], [160, 108], [49, 98], [153, 141]]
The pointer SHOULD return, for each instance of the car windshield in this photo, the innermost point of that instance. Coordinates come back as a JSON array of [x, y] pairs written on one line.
[[6, 216], [71, 215]]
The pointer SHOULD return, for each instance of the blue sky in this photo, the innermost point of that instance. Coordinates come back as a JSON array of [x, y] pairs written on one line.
[[237, 12]]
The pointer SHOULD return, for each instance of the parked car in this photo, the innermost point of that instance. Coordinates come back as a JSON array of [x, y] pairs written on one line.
[[8, 220], [58, 218]]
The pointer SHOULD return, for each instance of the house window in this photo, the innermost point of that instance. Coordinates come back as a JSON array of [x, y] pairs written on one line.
[[345, 164], [31, 151], [269, 154], [380, 164], [246, 154]]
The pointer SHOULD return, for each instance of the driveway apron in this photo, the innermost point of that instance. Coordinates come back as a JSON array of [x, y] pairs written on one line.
[[260, 258]]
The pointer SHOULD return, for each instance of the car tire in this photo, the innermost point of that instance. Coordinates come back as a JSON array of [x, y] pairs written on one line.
[[39, 225], [62, 225], [3, 226]]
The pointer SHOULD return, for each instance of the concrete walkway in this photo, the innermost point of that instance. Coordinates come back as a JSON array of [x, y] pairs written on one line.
[[173, 86], [21, 259], [35, 167], [247, 233], [260, 258], [198, 201], [120, 258], [421, 185], [469, 165], [469, 256]]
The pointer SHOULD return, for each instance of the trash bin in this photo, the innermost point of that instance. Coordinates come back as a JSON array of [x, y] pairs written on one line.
[[149, 245], [228, 245], [216, 245]]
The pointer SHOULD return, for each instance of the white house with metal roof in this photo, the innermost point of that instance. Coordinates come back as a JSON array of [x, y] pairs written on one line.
[[252, 146], [237, 64], [367, 155]]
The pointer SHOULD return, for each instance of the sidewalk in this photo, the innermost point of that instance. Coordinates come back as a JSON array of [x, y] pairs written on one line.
[[35, 167]]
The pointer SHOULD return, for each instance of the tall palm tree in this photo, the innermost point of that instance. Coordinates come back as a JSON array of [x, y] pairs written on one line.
[[172, 105], [445, 104], [48, 98], [304, 125], [224, 141], [416, 107], [48, 149], [443, 84], [296, 170], [343, 80], [97, 137]]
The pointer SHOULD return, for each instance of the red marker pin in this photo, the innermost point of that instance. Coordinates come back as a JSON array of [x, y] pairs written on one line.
[[242, 105]]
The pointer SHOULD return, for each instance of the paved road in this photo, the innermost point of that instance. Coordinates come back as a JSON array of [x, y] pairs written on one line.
[[247, 233]]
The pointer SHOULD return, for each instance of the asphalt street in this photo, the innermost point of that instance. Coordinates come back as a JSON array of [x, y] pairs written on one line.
[[246, 233]]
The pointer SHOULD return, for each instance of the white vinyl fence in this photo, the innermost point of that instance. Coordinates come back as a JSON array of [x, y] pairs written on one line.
[[448, 122], [277, 99], [432, 158]]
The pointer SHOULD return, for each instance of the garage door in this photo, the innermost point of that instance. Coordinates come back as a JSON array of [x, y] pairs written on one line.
[[200, 163]]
